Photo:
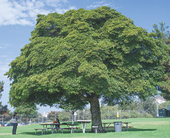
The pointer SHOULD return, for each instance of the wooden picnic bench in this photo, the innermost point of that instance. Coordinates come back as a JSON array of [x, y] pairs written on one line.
[[67, 128], [108, 125]]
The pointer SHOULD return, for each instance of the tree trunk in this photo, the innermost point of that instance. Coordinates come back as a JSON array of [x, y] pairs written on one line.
[[72, 117], [96, 114]]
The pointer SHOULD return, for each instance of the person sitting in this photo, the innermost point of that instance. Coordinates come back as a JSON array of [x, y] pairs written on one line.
[[57, 122]]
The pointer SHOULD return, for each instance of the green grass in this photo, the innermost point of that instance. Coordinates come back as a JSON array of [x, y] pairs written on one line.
[[142, 128]]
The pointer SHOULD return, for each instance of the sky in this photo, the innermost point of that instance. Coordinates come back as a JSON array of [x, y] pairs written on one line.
[[18, 17]]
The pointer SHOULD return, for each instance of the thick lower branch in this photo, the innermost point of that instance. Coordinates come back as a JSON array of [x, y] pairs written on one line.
[[84, 98]]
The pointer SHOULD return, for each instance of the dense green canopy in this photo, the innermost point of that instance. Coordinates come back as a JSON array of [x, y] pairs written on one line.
[[26, 109], [89, 53]]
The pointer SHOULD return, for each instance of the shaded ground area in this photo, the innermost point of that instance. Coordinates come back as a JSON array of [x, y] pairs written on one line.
[[87, 131]]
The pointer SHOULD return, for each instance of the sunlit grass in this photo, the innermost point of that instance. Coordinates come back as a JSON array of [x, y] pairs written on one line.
[[142, 128]]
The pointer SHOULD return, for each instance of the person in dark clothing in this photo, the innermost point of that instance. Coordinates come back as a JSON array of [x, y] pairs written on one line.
[[15, 123], [57, 122]]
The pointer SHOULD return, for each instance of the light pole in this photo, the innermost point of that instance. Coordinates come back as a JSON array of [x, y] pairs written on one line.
[[157, 104]]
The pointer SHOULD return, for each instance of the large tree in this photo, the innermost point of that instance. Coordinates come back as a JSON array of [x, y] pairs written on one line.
[[93, 54]]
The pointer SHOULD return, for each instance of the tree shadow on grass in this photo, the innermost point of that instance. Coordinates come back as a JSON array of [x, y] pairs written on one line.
[[49, 132], [133, 129], [39, 133], [87, 131], [139, 129], [65, 132]]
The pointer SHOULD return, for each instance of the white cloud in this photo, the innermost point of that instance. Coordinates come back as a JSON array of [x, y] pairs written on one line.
[[56, 3], [62, 10], [101, 3], [24, 12], [98, 4]]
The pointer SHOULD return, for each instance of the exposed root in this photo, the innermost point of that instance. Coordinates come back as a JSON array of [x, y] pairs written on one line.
[[98, 131]]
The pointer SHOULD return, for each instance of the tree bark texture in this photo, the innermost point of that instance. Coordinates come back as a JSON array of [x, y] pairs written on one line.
[[96, 114]]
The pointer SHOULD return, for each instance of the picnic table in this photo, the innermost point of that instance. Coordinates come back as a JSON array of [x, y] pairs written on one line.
[[126, 124], [83, 123], [52, 126]]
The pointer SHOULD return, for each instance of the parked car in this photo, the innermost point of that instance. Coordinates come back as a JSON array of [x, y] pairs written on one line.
[[2, 124], [9, 124]]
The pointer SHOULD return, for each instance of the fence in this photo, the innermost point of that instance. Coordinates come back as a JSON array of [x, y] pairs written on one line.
[[24, 119]]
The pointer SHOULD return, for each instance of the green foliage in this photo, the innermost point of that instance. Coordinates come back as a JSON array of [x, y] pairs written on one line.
[[84, 114], [72, 103], [164, 105], [1, 89], [87, 53], [53, 115], [26, 109], [148, 105], [133, 110], [64, 116], [3, 109], [1, 86], [163, 35], [108, 112], [27, 112]]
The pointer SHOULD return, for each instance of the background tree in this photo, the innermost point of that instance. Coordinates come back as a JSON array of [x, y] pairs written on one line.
[[3, 109], [93, 54], [164, 105], [53, 115], [26, 109], [163, 35], [149, 105], [72, 103], [1, 89], [26, 112]]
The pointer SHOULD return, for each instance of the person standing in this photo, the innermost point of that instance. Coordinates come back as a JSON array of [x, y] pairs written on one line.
[[15, 123]]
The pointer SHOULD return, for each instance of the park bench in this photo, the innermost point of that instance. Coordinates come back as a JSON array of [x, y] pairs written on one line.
[[108, 127], [130, 127], [42, 129], [77, 129], [95, 128], [69, 128], [123, 127], [61, 129]]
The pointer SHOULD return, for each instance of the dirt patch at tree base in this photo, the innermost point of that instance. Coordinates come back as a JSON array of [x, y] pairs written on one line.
[[5, 134]]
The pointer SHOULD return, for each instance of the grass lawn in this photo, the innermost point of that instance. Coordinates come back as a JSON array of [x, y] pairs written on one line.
[[142, 128]]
